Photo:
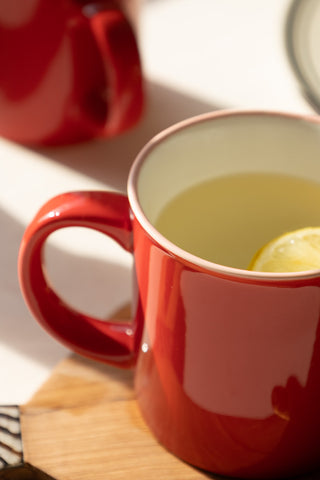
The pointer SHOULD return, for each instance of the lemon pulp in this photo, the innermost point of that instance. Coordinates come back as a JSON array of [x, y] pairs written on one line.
[[291, 252]]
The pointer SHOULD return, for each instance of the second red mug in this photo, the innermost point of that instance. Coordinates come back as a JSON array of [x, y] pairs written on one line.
[[70, 70]]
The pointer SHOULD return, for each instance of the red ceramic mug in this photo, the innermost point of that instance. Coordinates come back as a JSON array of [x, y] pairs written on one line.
[[70, 70], [227, 361]]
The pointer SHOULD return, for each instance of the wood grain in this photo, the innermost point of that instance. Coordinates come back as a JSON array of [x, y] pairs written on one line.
[[84, 423]]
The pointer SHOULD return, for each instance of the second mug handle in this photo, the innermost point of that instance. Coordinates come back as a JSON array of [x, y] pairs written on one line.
[[119, 52], [109, 213]]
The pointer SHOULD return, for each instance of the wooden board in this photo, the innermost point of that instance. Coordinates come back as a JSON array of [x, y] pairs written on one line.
[[84, 423]]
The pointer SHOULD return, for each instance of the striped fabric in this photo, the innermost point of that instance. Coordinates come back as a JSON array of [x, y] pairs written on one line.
[[11, 453]]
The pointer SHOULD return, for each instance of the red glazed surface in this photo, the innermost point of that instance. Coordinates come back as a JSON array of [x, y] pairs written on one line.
[[70, 71], [227, 361], [228, 373], [107, 213]]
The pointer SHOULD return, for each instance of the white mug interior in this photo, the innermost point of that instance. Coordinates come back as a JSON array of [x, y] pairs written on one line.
[[215, 145]]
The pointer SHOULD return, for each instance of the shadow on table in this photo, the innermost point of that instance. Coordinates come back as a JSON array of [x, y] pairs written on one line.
[[109, 160]]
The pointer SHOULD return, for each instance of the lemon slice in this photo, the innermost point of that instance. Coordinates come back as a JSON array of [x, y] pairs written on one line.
[[292, 252]]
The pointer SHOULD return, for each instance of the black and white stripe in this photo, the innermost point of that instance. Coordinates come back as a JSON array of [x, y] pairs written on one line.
[[11, 453]]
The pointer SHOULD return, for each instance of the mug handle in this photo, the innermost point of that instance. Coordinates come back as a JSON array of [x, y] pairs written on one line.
[[120, 55], [109, 341]]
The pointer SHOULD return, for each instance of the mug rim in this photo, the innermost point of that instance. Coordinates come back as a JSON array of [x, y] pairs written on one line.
[[171, 247]]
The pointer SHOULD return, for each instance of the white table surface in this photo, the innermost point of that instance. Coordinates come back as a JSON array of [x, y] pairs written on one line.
[[198, 55]]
